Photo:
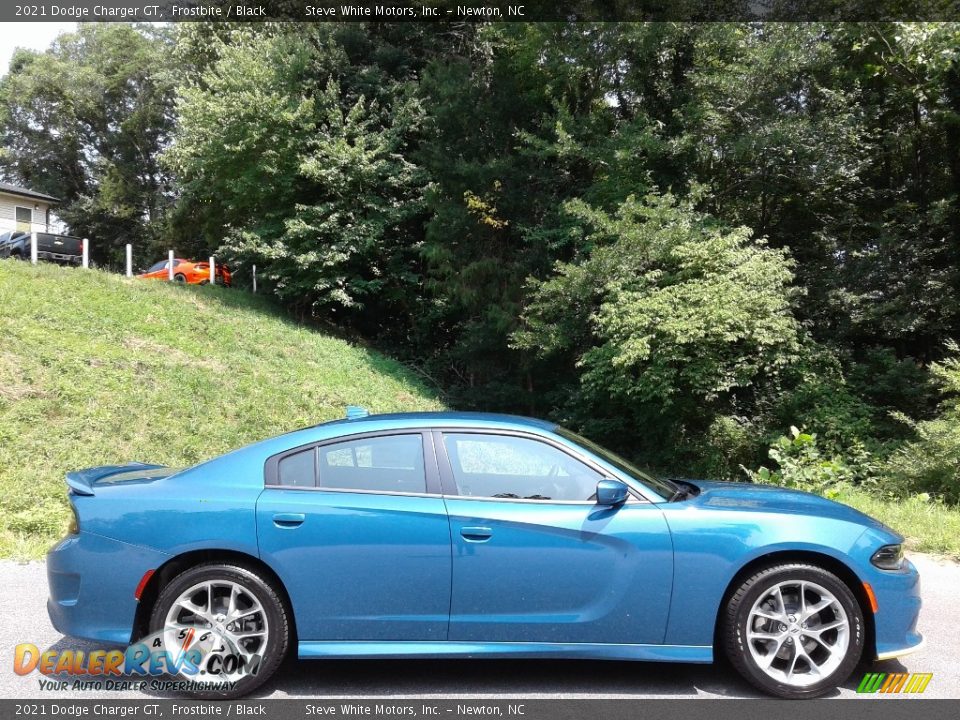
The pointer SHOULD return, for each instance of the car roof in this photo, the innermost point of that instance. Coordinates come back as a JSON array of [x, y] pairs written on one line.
[[344, 427], [444, 417]]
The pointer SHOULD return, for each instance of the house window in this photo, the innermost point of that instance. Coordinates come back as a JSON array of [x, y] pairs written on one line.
[[24, 219]]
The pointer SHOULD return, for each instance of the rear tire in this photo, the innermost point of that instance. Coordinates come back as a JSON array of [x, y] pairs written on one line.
[[241, 610], [793, 630], [180, 278]]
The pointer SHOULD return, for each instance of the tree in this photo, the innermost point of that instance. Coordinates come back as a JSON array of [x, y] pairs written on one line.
[[284, 161], [671, 318], [85, 121]]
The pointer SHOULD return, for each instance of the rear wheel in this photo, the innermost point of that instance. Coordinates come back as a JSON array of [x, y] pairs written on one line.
[[180, 277], [234, 621], [794, 630]]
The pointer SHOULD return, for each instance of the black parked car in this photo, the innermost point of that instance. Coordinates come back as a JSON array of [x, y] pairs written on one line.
[[58, 248]]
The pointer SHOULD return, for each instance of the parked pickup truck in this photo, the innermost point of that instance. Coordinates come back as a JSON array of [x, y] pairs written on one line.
[[58, 248]]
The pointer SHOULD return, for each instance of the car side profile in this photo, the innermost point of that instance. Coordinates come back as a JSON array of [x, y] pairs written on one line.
[[190, 272], [427, 535]]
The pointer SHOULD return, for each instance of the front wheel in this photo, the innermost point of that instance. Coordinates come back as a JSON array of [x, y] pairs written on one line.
[[231, 620], [180, 278], [794, 630]]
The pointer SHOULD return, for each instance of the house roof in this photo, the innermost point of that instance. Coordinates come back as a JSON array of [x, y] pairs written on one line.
[[26, 192]]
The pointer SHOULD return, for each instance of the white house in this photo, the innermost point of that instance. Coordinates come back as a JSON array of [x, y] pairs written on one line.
[[26, 210]]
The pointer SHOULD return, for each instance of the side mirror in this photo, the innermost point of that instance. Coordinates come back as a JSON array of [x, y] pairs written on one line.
[[611, 492]]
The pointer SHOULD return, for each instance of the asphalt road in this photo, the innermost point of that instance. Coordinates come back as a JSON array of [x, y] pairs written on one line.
[[23, 591]]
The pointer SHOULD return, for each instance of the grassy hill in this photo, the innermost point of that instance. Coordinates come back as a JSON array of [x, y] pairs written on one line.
[[98, 369]]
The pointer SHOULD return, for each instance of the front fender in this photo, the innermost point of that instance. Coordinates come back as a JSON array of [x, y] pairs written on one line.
[[712, 546]]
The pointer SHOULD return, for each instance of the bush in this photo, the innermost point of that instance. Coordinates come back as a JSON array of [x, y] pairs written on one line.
[[931, 463], [800, 465]]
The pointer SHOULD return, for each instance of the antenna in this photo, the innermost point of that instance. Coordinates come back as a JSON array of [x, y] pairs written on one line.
[[355, 412]]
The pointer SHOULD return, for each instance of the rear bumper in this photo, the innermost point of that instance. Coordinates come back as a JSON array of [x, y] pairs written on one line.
[[60, 257], [92, 580]]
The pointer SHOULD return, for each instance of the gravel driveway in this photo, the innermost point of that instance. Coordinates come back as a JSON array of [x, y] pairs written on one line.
[[23, 592]]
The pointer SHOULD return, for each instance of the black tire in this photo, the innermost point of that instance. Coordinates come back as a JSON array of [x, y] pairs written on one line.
[[736, 616], [204, 282], [278, 637], [180, 278]]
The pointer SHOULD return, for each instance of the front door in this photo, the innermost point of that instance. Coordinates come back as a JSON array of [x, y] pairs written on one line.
[[535, 559], [359, 535]]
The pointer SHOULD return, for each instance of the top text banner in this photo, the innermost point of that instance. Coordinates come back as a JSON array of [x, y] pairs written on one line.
[[478, 11]]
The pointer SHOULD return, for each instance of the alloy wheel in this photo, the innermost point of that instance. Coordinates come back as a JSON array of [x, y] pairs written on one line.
[[798, 632], [222, 619]]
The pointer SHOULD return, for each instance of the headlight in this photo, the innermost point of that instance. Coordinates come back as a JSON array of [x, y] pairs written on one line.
[[889, 557]]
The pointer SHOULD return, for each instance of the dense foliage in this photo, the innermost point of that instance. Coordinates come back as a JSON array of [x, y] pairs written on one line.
[[86, 121], [683, 239]]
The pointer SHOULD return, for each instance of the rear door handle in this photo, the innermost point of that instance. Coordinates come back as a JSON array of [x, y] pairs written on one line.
[[476, 534], [288, 520]]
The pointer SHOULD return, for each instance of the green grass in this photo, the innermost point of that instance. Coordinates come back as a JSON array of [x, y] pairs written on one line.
[[98, 369], [928, 526]]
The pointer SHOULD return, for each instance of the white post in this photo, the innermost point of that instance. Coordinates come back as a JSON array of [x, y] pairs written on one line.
[[129, 260], [33, 248], [170, 267], [86, 252], [213, 270], [254, 278]]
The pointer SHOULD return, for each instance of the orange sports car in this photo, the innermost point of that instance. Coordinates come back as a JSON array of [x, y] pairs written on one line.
[[188, 271]]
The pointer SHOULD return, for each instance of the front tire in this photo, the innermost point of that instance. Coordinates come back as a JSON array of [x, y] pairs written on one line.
[[227, 607], [794, 630], [180, 278]]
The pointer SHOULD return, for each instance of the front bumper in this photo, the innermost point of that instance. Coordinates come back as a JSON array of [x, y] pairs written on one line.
[[898, 609], [92, 580]]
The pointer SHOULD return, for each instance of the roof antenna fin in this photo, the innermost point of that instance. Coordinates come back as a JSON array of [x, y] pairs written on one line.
[[355, 412]]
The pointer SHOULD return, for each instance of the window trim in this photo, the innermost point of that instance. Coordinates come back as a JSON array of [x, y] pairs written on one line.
[[449, 484], [271, 475]]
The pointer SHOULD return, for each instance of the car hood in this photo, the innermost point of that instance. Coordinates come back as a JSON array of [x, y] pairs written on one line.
[[749, 497]]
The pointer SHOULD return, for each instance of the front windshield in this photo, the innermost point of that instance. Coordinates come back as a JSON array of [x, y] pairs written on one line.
[[662, 487]]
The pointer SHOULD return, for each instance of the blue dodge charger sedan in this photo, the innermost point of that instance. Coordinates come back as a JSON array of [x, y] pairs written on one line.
[[473, 535]]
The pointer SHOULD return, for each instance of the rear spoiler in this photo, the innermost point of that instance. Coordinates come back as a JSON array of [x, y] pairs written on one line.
[[81, 482]]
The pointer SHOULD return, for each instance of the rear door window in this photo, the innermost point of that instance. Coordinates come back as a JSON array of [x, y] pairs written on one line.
[[299, 469], [391, 463]]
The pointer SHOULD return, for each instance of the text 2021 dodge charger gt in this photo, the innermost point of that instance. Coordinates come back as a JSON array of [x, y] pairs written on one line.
[[472, 535]]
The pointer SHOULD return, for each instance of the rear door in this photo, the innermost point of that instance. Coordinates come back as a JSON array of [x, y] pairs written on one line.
[[535, 559], [358, 532]]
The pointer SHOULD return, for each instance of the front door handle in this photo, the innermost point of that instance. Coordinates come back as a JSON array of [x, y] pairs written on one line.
[[288, 520], [476, 534]]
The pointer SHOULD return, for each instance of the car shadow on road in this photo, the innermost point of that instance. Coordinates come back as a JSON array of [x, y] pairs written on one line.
[[497, 678]]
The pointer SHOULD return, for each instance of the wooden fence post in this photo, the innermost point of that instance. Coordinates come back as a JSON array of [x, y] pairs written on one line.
[[129, 260]]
